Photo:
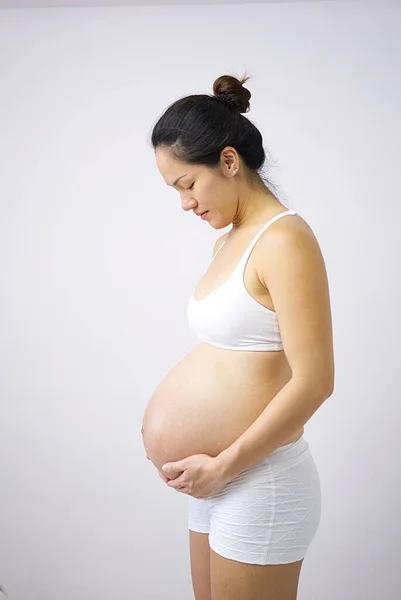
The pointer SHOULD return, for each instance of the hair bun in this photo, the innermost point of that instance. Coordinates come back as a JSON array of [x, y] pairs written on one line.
[[231, 90]]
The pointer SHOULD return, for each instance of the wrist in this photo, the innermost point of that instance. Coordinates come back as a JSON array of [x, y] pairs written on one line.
[[227, 463]]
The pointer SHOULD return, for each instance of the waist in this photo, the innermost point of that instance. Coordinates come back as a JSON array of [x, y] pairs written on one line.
[[212, 372], [263, 362]]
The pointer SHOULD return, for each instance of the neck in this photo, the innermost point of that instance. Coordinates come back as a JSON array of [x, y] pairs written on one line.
[[256, 208]]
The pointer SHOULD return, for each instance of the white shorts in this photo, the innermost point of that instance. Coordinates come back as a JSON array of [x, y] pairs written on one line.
[[268, 514]]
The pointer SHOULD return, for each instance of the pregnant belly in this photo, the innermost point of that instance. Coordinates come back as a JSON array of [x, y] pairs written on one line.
[[208, 400]]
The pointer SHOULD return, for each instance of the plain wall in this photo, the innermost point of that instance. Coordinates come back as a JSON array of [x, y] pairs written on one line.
[[98, 262]]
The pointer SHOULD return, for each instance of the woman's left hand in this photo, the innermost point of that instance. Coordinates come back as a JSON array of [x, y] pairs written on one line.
[[198, 475]]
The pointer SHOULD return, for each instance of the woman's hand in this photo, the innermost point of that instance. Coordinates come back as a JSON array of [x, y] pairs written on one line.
[[161, 474], [198, 476]]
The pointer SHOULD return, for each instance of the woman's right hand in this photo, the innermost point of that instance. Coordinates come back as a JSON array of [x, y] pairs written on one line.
[[162, 475]]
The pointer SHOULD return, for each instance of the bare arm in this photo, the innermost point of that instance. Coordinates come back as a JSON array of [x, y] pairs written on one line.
[[294, 272]]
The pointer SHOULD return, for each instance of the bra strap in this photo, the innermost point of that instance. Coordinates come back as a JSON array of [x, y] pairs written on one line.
[[248, 251]]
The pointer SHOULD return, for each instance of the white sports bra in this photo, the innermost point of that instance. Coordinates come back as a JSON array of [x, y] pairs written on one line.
[[229, 317]]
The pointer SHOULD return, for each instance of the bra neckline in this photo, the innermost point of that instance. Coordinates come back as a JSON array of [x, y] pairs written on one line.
[[252, 243], [226, 281], [222, 284]]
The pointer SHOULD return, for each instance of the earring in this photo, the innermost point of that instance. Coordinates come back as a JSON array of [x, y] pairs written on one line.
[[235, 171]]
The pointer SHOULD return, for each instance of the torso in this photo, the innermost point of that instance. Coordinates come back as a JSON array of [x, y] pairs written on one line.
[[213, 395]]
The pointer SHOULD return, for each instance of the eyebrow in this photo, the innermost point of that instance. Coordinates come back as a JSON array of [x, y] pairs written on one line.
[[177, 180]]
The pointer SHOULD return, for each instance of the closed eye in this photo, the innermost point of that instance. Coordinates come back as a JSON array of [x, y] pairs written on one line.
[[191, 187]]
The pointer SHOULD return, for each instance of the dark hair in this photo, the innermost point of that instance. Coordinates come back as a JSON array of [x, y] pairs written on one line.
[[196, 128]]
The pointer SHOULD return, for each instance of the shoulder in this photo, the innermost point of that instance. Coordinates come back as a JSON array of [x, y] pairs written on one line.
[[288, 231], [219, 242], [288, 225], [288, 236]]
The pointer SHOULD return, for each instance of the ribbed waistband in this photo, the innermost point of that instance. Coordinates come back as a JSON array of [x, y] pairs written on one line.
[[296, 446], [289, 453], [278, 461]]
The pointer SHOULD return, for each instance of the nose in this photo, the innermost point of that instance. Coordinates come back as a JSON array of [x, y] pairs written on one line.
[[187, 203]]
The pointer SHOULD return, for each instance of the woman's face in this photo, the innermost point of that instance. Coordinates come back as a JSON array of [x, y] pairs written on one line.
[[202, 188]]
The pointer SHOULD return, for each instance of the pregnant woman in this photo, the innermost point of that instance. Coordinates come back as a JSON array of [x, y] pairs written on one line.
[[226, 425]]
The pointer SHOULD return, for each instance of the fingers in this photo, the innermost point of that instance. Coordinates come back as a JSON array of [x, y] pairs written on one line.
[[162, 476]]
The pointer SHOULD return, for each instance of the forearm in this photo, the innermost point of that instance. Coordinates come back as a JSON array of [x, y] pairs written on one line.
[[289, 410]]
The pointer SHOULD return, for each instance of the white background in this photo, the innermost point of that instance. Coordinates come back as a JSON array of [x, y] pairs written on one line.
[[98, 262]]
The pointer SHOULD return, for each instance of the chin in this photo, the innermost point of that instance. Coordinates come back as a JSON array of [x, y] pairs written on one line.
[[224, 225], [218, 224]]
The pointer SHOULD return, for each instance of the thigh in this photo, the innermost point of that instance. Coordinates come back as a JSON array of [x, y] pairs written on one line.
[[242, 581], [200, 564]]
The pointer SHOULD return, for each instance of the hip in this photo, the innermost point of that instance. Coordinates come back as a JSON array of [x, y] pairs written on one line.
[[292, 461], [269, 513]]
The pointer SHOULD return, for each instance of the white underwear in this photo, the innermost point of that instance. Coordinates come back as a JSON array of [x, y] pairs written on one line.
[[269, 514]]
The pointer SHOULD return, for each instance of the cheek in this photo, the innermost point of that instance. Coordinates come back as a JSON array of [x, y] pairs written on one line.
[[209, 195]]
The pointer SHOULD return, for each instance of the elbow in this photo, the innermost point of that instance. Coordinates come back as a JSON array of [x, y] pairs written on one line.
[[327, 382], [328, 388], [321, 388]]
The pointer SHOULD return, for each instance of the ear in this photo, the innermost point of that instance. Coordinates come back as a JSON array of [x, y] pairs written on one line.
[[229, 161]]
